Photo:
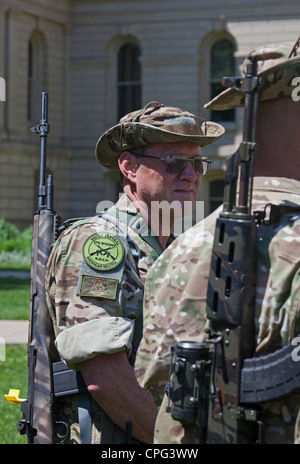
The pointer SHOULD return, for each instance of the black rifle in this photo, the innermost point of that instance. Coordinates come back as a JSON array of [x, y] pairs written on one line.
[[239, 381], [211, 376], [222, 371], [37, 421], [231, 287]]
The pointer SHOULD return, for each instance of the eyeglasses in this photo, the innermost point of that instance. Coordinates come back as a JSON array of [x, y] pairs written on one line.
[[175, 164]]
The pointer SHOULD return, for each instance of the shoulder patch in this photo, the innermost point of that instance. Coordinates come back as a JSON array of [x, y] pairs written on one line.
[[103, 251], [100, 287]]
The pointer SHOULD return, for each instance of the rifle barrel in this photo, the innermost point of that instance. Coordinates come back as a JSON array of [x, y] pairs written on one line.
[[43, 130]]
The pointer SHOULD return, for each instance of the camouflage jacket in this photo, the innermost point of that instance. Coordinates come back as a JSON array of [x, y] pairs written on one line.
[[94, 304], [175, 302]]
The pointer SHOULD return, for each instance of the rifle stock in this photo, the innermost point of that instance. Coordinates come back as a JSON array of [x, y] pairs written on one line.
[[37, 421]]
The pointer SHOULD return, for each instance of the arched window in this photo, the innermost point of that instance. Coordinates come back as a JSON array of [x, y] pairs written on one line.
[[129, 79], [221, 64], [36, 74]]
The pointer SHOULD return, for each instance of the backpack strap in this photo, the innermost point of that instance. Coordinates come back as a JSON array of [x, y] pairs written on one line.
[[138, 224]]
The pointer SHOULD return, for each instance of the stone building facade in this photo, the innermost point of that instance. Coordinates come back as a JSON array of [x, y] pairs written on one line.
[[100, 58]]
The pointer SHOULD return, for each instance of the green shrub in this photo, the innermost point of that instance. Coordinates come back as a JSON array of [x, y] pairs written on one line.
[[15, 246], [11, 239], [7, 230]]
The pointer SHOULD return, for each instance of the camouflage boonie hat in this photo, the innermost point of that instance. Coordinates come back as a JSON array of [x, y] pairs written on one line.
[[155, 123], [278, 65]]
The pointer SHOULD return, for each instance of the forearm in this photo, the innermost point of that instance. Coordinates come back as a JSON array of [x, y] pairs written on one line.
[[111, 381], [135, 406]]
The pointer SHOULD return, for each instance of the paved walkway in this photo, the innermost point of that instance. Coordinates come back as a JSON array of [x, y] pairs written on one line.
[[17, 274]]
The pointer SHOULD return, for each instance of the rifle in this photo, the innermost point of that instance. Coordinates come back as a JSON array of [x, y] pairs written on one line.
[[37, 421], [211, 376], [222, 372], [49, 379], [231, 287]]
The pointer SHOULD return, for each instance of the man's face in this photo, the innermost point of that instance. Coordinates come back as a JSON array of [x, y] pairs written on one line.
[[155, 183]]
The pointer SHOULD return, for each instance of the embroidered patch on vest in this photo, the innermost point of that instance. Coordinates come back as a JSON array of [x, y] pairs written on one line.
[[102, 287], [103, 251]]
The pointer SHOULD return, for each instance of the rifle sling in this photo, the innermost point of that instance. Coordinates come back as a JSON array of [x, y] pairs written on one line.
[[85, 420], [138, 225]]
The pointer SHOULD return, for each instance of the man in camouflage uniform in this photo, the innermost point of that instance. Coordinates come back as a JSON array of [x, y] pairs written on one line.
[[176, 286], [96, 270]]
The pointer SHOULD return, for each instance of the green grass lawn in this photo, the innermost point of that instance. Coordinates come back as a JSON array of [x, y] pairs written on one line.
[[15, 253], [14, 304], [13, 374], [14, 298]]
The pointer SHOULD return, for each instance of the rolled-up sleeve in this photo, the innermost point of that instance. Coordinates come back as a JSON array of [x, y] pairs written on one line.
[[87, 340]]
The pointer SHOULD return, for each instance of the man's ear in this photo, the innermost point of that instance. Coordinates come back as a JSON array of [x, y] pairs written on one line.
[[128, 166]]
